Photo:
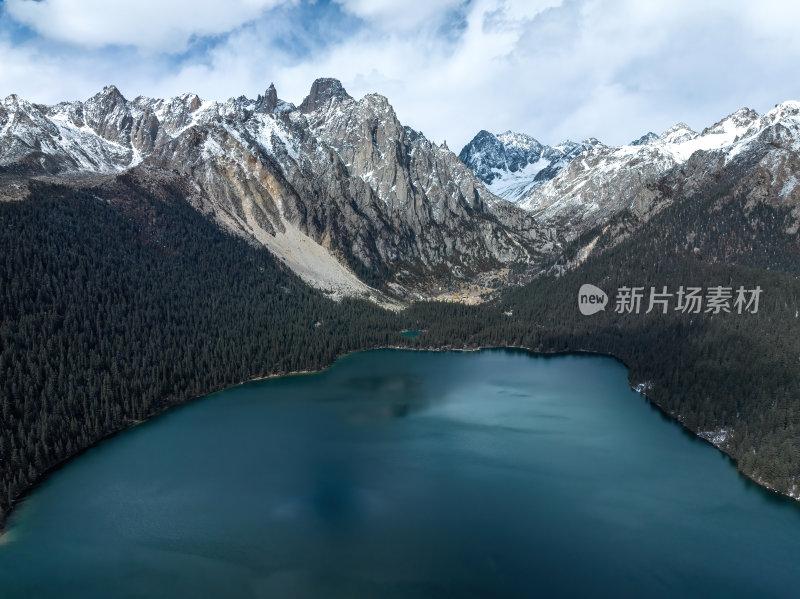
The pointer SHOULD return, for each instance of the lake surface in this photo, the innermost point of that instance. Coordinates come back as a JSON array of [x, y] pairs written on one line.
[[407, 474]]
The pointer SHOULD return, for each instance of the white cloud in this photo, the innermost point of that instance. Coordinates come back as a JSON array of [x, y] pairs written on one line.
[[44, 77], [612, 69], [151, 25]]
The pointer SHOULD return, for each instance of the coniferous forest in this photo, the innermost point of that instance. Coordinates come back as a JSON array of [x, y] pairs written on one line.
[[114, 311], [116, 306]]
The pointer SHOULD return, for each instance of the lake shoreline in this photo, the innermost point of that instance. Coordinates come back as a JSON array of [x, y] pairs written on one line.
[[533, 352]]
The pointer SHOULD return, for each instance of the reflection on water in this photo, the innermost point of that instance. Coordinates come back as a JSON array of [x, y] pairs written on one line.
[[385, 397]]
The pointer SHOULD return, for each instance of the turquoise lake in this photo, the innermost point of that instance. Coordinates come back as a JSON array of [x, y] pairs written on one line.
[[407, 474]]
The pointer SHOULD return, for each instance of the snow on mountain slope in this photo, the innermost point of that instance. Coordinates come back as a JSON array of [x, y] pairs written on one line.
[[604, 180], [514, 185], [338, 186], [512, 164], [333, 186], [56, 142]]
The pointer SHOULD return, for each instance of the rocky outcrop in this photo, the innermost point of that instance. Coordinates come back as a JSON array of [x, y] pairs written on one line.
[[323, 92]]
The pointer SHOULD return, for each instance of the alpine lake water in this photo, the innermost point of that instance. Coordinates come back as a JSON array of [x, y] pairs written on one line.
[[407, 474]]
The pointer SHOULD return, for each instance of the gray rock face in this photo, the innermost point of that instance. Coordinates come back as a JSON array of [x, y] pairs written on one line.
[[444, 215], [335, 187], [269, 101], [641, 177], [322, 92], [107, 113]]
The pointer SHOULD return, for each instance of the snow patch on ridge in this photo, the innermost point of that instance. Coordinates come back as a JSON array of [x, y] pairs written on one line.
[[512, 186]]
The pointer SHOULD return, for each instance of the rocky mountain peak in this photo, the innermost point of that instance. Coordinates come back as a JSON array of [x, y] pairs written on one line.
[[107, 113], [491, 153], [591, 143], [782, 111], [483, 155], [521, 141], [269, 101], [109, 93], [678, 133], [193, 102], [323, 90], [511, 164], [645, 139], [744, 116], [741, 119], [483, 137]]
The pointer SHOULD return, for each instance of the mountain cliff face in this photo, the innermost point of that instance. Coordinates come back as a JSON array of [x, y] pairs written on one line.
[[513, 164], [338, 188]]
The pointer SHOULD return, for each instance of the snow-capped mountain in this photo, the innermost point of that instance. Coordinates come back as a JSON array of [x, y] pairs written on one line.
[[106, 133], [512, 164], [333, 187], [343, 193], [574, 187], [604, 180]]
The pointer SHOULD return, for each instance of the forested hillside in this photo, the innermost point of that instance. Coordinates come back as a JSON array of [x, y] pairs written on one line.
[[116, 304]]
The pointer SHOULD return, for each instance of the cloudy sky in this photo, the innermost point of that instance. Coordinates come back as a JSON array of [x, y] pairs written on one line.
[[611, 69]]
